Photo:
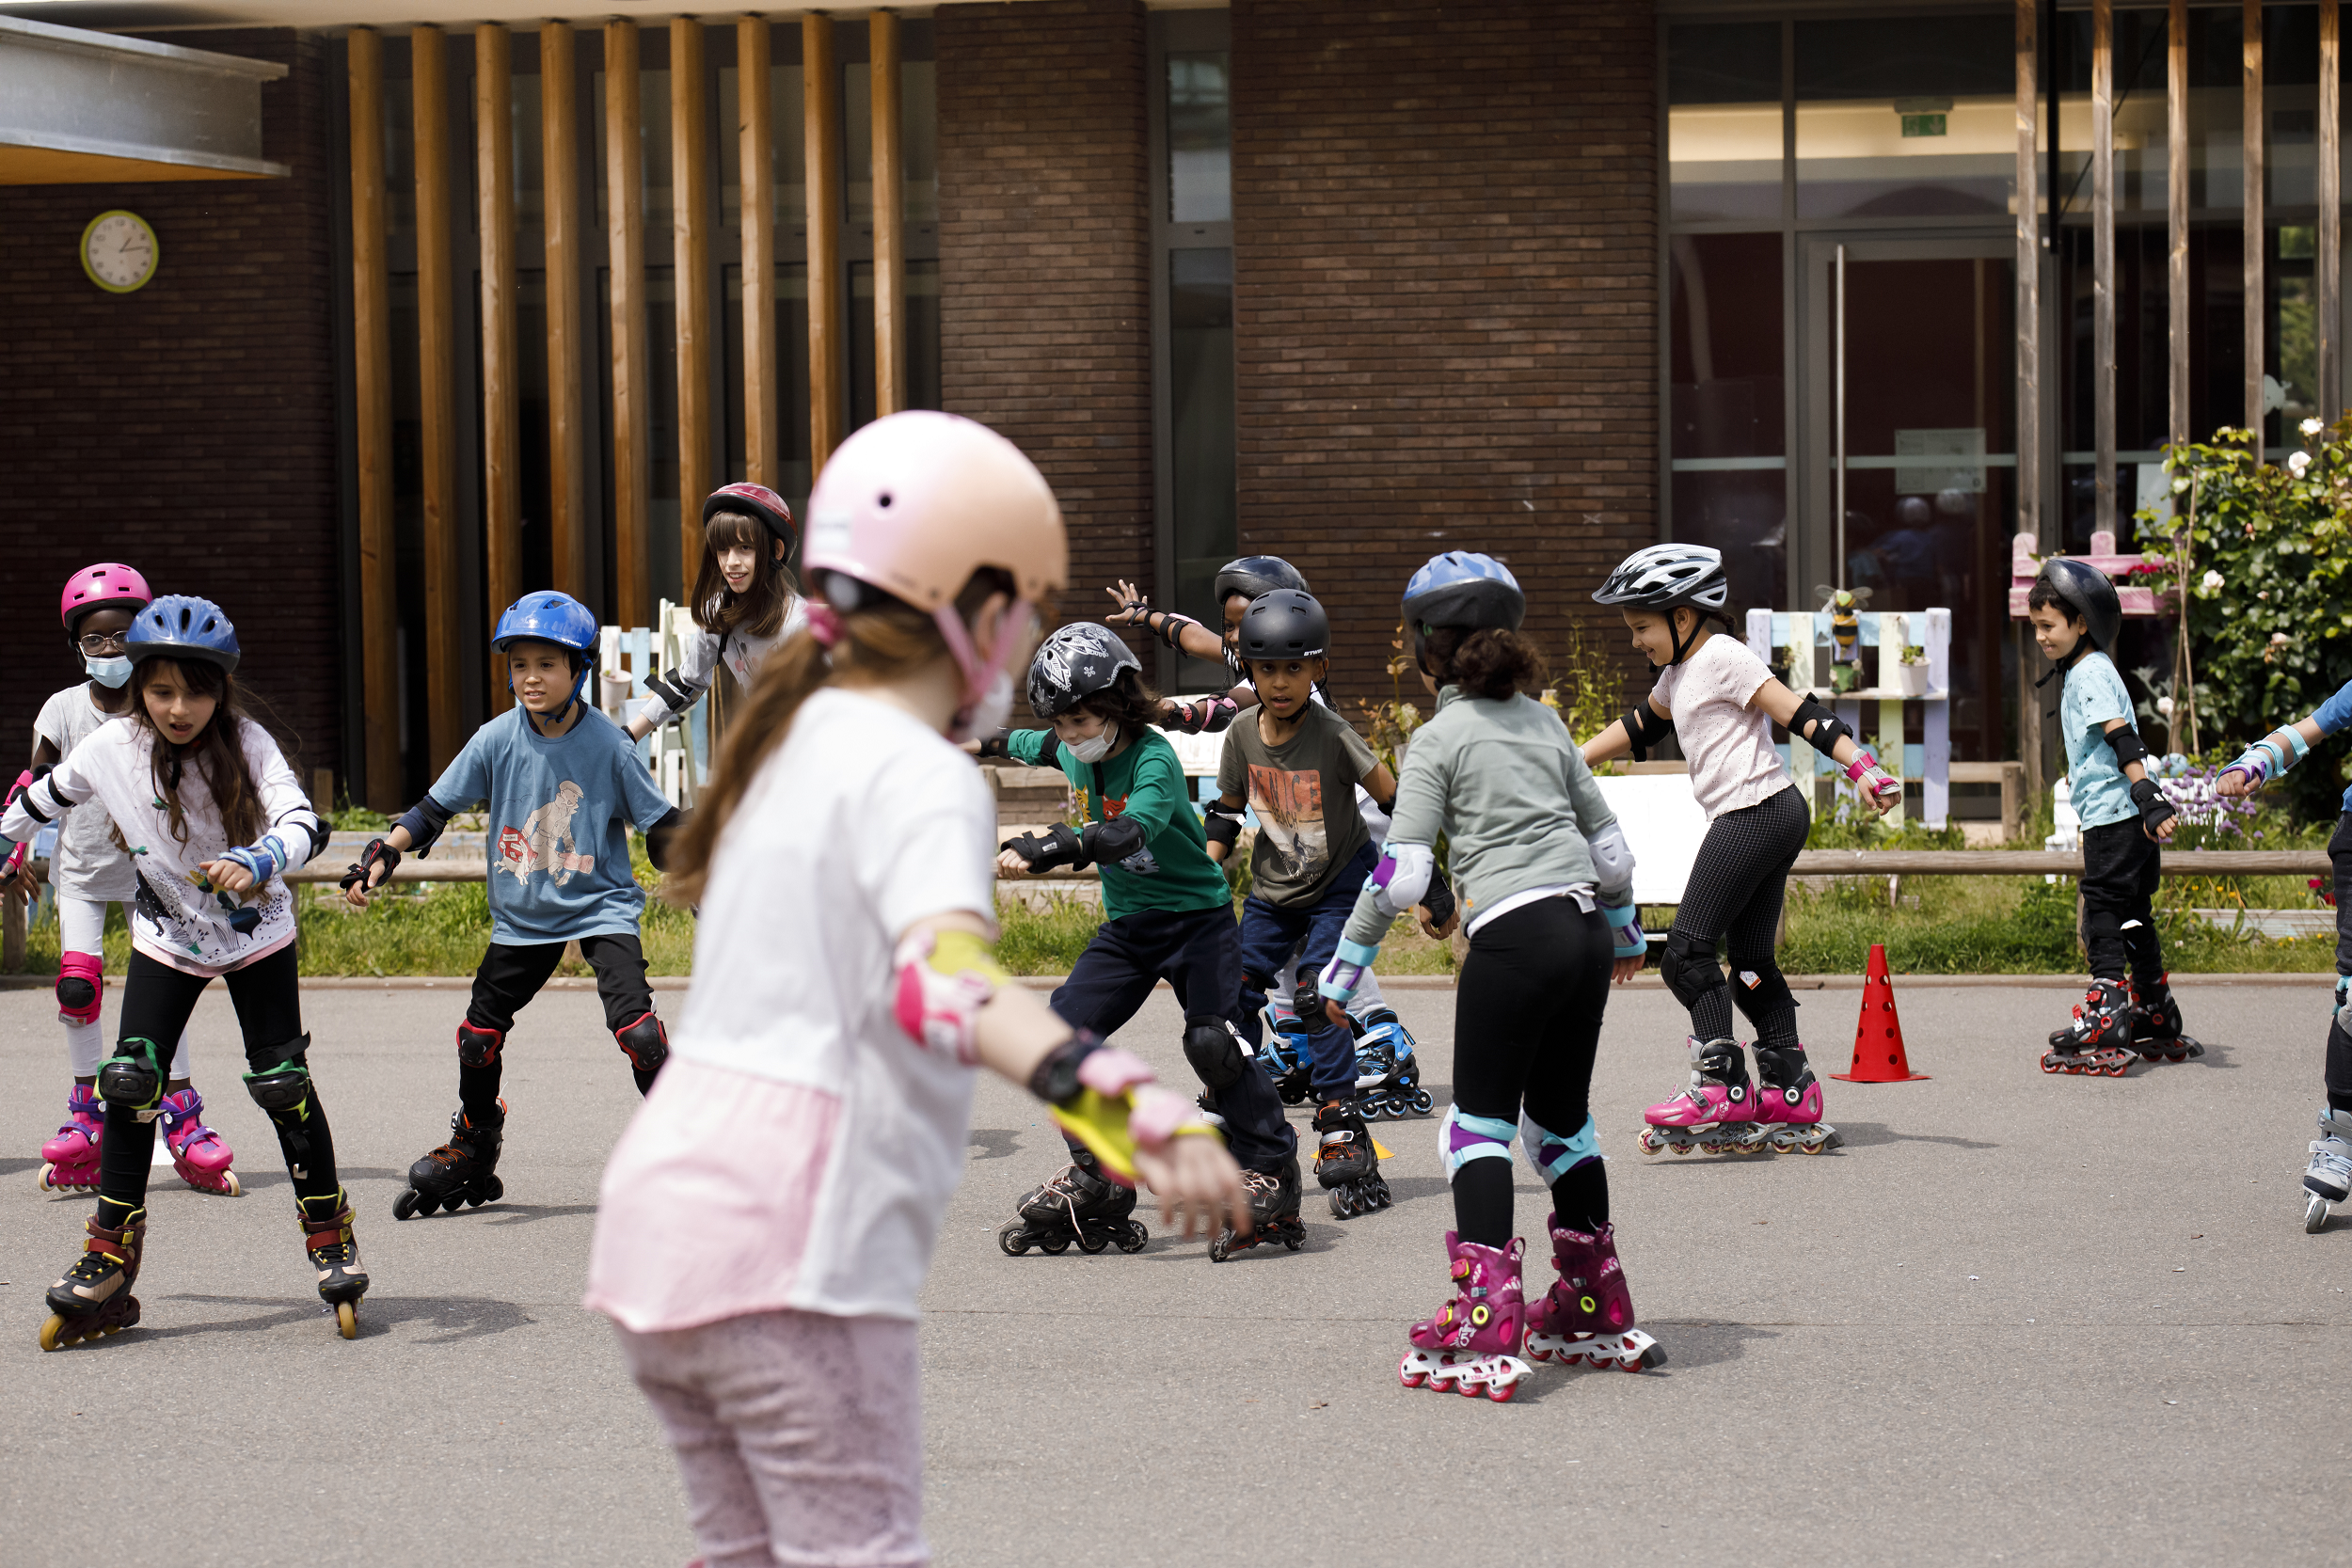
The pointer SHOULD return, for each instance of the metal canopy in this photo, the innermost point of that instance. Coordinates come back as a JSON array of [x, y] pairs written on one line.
[[79, 107]]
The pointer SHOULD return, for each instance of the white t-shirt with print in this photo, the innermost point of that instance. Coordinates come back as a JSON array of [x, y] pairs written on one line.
[[1729, 744], [799, 1149], [88, 863]]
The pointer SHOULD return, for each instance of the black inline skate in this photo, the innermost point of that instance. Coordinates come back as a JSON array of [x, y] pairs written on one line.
[[1274, 1205], [1387, 1074], [2157, 1025], [463, 1170], [1346, 1164], [1080, 1204], [326, 1236], [2099, 1040]]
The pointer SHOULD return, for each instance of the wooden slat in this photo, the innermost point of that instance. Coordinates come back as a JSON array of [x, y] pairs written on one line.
[[436, 355], [2176, 220], [762, 463], [690, 209], [890, 244], [2253, 232], [568, 524], [2028, 277], [2014, 862], [2327, 272], [371, 364], [501, 387], [633, 434], [820, 97], [2103, 258]]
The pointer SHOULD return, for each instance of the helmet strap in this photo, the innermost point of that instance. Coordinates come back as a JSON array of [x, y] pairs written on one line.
[[980, 669]]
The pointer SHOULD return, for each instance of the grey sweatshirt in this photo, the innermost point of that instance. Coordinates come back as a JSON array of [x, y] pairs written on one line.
[[1503, 781]]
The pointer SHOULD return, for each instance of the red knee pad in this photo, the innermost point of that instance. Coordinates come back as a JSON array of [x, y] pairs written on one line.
[[478, 1047], [645, 1043], [81, 981]]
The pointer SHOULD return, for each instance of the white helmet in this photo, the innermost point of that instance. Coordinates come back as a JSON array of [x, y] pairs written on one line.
[[1664, 576]]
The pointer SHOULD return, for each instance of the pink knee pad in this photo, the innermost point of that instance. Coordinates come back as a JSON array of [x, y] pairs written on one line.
[[81, 980]]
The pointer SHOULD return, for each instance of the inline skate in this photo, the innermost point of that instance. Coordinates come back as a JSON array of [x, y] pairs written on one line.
[[1284, 1055], [326, 1236], [1587, 1315], [463, 1170], [1274, 1199], [198, 1154], [1346, 1164], [2329, 1178], [70, 1159], [1472, 1343], [1387, 1074], [2156, 1025], [2099, 1040], [1080, 1204], [94, 1297], [1789, 1104], [1717, 1112]]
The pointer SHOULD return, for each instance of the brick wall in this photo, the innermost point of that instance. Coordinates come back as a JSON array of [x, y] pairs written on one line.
[[1446, 303], [189, 428], [1044, 249]]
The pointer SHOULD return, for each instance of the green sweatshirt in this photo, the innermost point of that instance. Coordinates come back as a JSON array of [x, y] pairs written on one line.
[[1503, 781], [1146, 781]]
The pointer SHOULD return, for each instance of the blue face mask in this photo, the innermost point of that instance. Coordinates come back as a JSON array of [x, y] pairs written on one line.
[[112, 673]]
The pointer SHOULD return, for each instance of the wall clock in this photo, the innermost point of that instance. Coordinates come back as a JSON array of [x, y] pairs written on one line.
[[120, 251]]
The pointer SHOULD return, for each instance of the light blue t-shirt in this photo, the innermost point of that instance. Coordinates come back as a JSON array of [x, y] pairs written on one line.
[[2333, 715], [559, 818], [2095, 695]]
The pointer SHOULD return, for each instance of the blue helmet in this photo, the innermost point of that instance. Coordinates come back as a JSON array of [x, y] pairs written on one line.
[[181, 625], [1464, 590], [548, 616]]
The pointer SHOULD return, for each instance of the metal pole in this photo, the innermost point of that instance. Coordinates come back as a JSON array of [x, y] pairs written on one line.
[[1841, 417]]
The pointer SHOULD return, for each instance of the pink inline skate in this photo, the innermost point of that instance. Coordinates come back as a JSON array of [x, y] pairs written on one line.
[[71, 1158], [197, 1152], [1472, 1343], [1788, 1103], [1717, 1112], [1587, 1315]]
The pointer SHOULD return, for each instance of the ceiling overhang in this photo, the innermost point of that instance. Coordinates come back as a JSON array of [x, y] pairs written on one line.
[[82, 108]]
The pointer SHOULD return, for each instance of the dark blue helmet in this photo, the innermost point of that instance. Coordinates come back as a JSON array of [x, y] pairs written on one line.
[[2090, 593], [181, 625], [1285, 624], [1253, 576], [548, 616], [1464, 590]]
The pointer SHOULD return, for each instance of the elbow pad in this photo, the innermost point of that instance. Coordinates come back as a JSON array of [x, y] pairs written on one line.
[[2127, 746], [425, 821], [1818, 727], [1401, 879], [661, 835], [670, 697], [1613, 862], [1117, 842], [1644, 729], [308, 820], [1220, 823]]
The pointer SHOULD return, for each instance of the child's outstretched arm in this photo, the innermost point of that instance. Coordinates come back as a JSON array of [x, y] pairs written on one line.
[[1180, 632], [2271, 756], [952, 995], [1646, 725], [2156, 816], [1818, 727]]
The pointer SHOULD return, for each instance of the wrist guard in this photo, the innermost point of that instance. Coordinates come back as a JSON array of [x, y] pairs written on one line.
[[2154, 810], [2266, 759], [661, 835], [994, 746], [264, 860], [376, 852], [1644, 729], [1438, 900], [1207, 716], [1345, 971], [1874, 783], [945, 979], [1106, 1099], [1171, 630], [1060, 844], [1625, 925]]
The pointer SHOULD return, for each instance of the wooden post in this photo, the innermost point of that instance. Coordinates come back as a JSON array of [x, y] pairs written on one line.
[[567, 450], [2254, 233], [2103, 256], [633, 434], [2327, 272], [436, 355], [690, 211], [821, 95], [762, 463], [890, 244], [2176, 220], [2028, 277], [501, 391], [371, 367]]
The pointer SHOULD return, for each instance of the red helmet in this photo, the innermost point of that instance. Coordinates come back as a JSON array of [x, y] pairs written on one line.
[[108, 585], [755, 500]]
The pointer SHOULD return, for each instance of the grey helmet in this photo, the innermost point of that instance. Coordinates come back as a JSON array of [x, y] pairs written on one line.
[[1254, 576], [2090, 595], [1285, 624], [1073, 664]]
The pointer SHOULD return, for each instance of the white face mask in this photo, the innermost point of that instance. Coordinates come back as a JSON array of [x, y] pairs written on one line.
[[111, 673], [1096, 749], [986, 716]]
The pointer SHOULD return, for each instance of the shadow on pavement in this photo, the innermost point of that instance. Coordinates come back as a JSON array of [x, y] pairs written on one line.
[[1866, 1134], [450, 1318], [1702, 1344], [992, 1143]]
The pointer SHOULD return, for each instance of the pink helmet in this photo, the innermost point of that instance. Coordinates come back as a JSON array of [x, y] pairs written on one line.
[[108, 585]]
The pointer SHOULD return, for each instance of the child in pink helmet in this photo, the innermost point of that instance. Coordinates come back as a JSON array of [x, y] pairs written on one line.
[[90, 869], [768, 1217]]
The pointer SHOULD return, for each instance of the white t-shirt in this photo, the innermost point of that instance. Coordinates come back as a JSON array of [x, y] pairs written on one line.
[[800, 1147], [88, 864], [1728, 743], [701, 655]]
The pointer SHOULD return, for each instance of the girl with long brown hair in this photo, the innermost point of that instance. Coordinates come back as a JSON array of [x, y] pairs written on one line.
[[744, 602]]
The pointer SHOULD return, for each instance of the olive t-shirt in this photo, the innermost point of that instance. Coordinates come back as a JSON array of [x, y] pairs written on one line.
[[1304, 793]]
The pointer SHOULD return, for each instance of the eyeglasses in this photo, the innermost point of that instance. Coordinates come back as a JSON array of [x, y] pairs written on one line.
[[103, 641]]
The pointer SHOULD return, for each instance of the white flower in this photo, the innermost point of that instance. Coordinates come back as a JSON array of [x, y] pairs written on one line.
[[2277, 637], [2298, 462], [2310, 427], [2212, 581], [2163, 705], [2180, 486]]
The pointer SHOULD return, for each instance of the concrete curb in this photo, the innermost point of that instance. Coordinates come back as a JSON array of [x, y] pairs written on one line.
[[1399, 982]]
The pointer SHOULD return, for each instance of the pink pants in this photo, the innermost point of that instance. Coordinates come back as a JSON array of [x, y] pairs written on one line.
[[799, 1436]]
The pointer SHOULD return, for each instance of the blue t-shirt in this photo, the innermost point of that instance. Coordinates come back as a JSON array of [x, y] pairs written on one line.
[[2333, 715], [558, 819], [2093, 696]]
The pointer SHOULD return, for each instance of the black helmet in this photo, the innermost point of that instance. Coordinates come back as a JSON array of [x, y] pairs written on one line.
[[2087, 590], [1285, 624], [1073, 664], [1254, 576]]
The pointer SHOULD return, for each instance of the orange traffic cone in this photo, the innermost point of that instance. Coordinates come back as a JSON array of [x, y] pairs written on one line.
[[1877, 1036]]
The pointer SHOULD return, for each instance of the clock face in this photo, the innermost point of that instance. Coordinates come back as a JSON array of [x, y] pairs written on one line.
[[118, 251]]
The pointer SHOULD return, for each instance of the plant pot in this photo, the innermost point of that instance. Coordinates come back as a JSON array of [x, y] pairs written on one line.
[[1911, 680]]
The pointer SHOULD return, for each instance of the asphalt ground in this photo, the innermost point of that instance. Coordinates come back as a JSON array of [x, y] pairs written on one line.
[[2016, 1318]]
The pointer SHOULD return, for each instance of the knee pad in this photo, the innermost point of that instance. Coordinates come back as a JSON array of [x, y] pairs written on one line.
[[133, 1078], [1463, 1138], [1688, 967], [1215, 1054], [81, 979], [1761, 995], [284, 1089], [478, 1047], [1554, 1156], [1307, 997], [645, 1043]]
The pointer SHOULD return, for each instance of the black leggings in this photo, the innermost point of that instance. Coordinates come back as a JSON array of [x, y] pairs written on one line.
[[2339, 1063], [1526, 1026], [512, 973], [157, 1001], [1733, 898]]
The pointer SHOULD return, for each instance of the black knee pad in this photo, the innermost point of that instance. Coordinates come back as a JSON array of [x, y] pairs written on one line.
[[1688, 966], [1760, 993], [76, 995], [1307, 996], [645, 1043], [1215, 1054], [478, 1047], [284, 1089], [133, 1077]]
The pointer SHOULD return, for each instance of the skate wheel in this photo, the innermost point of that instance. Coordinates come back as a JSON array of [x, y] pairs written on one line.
[[1221, 1248], [476, 1196], [231, 1186], [1012, 1240], [2314, 1215], [1682, 1148], [1422, 1103], [1092, 1243], [2049, 1063], [492, 1189], [1342, 1205], [1500, 1392], [1134, 1239], [2117, 1069], [53, 1332], [405, 1204], [1812, 1148], [46, 1171], [346, 1319], [1055, 1246]]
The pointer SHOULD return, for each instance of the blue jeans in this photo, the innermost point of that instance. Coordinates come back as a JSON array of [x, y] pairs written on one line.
[[1268, 934]]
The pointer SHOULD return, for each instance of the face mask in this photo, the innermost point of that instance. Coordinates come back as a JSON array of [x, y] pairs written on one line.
[[1096, 749], [987, 715], [113, 672]]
